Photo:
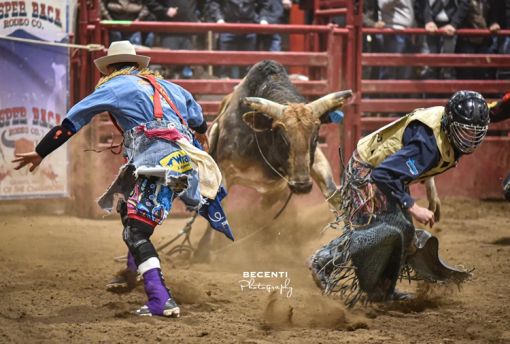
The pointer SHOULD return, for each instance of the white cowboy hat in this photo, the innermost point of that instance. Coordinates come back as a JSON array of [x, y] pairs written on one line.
[[121, 51]]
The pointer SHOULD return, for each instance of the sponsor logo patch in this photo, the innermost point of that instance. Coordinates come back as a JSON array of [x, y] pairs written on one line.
[[178, 162], [412, 167]]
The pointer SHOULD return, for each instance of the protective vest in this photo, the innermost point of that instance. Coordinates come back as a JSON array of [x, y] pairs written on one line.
[[379, 145]]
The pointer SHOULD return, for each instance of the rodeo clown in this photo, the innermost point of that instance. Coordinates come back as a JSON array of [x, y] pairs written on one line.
[[379, 241], [500, 111], [162, 163]]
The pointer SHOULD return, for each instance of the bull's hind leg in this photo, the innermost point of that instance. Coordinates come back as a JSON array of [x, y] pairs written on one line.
[[323, 176], [433, 198]]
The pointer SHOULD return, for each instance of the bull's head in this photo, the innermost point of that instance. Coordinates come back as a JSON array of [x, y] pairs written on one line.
[[298, 125]]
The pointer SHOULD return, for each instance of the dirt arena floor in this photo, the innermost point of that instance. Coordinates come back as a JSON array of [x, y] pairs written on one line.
[[53, 270]]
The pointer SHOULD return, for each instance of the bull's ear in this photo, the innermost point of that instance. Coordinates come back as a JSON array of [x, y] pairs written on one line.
[[258, 121]]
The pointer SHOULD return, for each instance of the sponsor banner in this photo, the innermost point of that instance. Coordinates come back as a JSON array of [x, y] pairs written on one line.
[[33, 94]]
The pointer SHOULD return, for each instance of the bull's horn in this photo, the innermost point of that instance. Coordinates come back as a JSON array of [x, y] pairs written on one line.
[[330, 101], [266, 106]]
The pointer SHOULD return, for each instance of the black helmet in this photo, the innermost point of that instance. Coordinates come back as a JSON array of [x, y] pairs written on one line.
[[466, 120], [506, 187]]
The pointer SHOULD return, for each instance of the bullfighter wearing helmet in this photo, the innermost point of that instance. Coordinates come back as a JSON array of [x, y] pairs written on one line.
[[365, 262]]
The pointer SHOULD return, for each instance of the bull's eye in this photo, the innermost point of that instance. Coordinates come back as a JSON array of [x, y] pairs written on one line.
[[284, 139], [282, 135]]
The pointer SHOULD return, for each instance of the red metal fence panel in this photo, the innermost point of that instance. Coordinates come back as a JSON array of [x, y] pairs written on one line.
[[333, 58]]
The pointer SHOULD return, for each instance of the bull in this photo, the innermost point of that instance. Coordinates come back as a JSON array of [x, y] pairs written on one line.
[[266, 134]]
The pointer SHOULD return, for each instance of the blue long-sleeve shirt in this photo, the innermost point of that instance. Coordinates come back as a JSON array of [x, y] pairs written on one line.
[[418, 155], [121, 97]]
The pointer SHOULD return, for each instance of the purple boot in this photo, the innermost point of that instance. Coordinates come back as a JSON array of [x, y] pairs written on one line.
[[125, 280], [160, 301]]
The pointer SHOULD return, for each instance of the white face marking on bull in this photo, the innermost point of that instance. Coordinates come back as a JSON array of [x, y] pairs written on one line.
[[299, 129]]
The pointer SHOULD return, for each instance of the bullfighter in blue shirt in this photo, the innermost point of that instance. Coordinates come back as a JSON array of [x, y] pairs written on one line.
[[163, 161]]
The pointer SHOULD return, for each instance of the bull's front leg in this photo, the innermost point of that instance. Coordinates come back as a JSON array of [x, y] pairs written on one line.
[[323, 176], [433, 198]]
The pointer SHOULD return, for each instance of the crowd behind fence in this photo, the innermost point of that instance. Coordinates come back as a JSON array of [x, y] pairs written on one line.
[[440, 21], [321, 58]]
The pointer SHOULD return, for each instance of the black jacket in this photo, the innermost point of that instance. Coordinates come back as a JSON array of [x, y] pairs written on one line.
[[123, 10], [456, 10], [237, 11], [370, 17], [186, 11], [499, 12], [273, 13]]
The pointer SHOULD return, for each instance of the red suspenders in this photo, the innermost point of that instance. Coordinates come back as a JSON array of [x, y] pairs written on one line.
[[159, 90], [158, 109]]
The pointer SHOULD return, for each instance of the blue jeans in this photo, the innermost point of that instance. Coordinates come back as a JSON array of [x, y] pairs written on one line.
[[399, 44], [230, 41], [270, 42], [177, 42], [440, 45], [466, 45], [133, 37], [504, 48]]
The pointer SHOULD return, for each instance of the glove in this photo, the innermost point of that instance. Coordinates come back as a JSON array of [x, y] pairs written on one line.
[[336, 116]]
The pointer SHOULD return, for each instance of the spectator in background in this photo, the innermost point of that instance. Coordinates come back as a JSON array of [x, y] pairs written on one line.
[[446, 16], [372, 43], [124, 10], [397, 15], [277, 13], [499, 19], [176, 11], [371, 14], [476, 19], [237, 11]]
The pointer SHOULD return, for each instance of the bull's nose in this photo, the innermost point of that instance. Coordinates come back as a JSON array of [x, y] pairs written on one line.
[[301, 186]]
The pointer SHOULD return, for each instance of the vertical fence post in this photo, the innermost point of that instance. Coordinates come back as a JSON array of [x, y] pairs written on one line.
[[352, 120], [334, 82]]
